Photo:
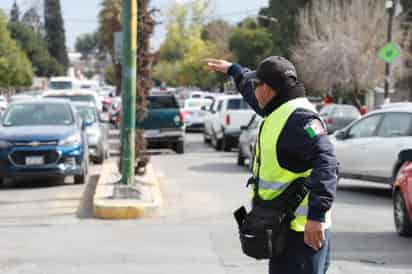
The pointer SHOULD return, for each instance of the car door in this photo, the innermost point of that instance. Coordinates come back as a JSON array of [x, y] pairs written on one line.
[[394, 135], [351, 150], [216, 119]]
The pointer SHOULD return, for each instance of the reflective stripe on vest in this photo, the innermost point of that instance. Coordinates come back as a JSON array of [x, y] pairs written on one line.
[[274, 179]]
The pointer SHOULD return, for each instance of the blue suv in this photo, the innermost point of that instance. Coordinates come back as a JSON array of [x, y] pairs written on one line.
[[43, 138]]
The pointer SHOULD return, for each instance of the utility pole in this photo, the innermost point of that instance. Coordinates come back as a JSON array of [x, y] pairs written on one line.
[[391, 7], [129, 90]]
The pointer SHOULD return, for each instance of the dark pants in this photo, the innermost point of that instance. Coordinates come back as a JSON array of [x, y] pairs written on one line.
[[300, 258]]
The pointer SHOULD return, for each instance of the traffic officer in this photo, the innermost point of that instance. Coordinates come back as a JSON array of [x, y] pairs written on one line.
[[293, 144]]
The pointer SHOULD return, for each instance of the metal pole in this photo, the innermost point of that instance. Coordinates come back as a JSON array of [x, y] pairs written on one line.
[[129, 90], [389, 40]]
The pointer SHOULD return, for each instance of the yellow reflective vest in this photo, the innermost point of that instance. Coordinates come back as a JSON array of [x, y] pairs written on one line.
[[274, 179]]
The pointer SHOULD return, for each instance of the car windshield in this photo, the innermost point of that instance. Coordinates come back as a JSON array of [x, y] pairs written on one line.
[[156, 102], [237, 104], [87, 113], [61, 85], [197, 103], [346, 111], [38, 114]]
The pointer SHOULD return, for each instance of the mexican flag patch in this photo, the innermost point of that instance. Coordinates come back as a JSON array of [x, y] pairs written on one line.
[[315, 128]]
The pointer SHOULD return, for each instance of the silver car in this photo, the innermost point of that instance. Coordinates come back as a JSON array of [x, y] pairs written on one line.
[[97, 131], [247, 140], [369, 147], [337, 116]]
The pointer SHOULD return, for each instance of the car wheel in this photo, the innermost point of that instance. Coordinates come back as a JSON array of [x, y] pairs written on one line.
[[226, 145], [179, 148], [206, 139], [100, 159], [84, 177], [402, 223], [240, 158], [81, 179]]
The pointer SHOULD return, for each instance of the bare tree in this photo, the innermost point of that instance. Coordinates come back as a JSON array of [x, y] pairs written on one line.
[[339, 44]]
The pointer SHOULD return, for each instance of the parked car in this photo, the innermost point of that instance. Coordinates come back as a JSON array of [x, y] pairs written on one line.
[[97, 131], [209, 113], [193, 114], [337, 116], [397, 105], [247, 140], [368, 148], [3, 103], [402, 194], [164, 126], [79, 95], [63, 83], [232, 112], [42, 138]]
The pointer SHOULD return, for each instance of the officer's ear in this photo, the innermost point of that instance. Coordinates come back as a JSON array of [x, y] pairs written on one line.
[[269, 90]]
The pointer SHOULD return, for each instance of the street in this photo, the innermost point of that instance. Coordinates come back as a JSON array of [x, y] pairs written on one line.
[[193, 232]]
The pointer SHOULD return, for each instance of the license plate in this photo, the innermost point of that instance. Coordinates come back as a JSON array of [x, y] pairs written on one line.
[[34, 160], [151, 133]]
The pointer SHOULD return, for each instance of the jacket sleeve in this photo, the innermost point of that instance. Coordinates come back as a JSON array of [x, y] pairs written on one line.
[[314, 149], [245, 86]]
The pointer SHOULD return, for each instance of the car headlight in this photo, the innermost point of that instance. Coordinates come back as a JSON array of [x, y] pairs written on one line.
[[4, 144], [72, 140]]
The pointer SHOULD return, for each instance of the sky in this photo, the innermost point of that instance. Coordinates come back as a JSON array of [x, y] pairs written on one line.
[[80, 16]]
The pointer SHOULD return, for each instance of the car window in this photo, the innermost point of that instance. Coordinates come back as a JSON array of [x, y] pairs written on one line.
[[157, 102], [38, 114], [345, 112], [235, 104], [365, 127], [325, 111], [395, 124], [60, 85], [87, 113], [219, 105], [212, 106]]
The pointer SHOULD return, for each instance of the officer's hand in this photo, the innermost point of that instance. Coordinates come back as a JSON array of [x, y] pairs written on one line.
[[314, 234], [218, 65]]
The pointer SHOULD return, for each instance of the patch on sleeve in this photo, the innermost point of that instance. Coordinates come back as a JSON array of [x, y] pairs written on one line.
[[314, 128]]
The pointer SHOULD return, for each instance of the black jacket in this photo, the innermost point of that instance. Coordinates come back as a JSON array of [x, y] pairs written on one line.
[[297, 151]]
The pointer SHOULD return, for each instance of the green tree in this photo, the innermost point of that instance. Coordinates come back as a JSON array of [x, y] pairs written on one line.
[[183, 52], [15, 13], [250, 43], [86, 44], [285, 31], [55, 33], [15, 67], [33, 45], [32, 18], [110, 21]]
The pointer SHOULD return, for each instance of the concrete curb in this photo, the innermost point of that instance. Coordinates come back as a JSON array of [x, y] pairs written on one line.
[[108, 205]]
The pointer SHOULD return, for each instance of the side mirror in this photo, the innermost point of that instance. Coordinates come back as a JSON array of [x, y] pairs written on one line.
[[243, 127], [340, 135], [203, 108]]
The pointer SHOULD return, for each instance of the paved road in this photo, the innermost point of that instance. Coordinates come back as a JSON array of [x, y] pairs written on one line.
[[204, 186], [193, 233]]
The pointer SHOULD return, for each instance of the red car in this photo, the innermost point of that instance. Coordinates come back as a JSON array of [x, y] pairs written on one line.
[[402, 195]]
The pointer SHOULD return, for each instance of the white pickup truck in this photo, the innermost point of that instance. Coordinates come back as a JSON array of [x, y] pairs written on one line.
[[229, 113]]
